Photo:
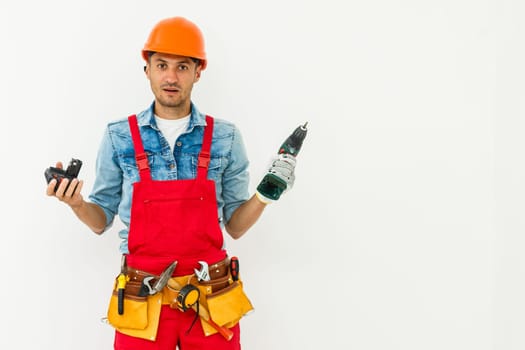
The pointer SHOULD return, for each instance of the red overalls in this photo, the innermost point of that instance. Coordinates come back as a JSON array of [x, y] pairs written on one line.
[[174, 220]]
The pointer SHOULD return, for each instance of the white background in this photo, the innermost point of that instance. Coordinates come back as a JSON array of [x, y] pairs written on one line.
[[405, 226]]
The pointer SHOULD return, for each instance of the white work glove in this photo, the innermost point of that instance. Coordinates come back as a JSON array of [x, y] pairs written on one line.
[[282, 167]]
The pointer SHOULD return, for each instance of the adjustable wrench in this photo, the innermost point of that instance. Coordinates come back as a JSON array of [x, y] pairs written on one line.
[[203, 274]]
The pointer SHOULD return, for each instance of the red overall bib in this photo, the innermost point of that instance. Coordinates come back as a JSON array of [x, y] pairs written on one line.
[[174, 220]]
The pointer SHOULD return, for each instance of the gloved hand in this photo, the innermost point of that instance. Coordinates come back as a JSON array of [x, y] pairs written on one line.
[[279, 178]]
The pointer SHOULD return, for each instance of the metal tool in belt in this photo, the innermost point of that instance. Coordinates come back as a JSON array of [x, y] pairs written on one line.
[[188, 296], [122, 279], [146, 288]]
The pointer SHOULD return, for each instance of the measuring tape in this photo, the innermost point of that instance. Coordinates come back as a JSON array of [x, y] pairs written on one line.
[[187, 297]]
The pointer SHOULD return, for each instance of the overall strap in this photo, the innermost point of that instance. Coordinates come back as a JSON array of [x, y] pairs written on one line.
[[140, 156], [204, 155]]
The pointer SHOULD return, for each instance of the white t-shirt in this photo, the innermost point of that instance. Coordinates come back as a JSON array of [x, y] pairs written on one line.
[[172, 129]]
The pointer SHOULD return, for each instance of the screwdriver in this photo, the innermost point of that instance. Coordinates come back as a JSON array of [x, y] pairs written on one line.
[[271, 185], [122, 279]]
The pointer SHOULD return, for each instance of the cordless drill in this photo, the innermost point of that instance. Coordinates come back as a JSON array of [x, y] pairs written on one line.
[[271, 185]]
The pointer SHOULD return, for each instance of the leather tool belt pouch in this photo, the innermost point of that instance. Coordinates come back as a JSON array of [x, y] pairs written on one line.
[[225, 301], [141, 314], [223, 298], [228, 305], [135, 314]]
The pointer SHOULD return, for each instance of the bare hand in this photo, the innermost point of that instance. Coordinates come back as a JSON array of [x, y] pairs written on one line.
[[71, 196]]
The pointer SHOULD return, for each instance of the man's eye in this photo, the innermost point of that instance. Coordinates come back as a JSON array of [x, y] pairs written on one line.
[[161, 65], [183, 67]]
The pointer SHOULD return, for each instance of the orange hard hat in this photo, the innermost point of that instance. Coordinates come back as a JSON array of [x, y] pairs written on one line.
[[176, 36]]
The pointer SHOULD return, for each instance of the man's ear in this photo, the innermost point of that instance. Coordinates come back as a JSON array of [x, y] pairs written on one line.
[[197, 73]]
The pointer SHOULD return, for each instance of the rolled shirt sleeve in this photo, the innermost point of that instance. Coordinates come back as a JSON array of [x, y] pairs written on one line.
[[107, 189], [236, 178]]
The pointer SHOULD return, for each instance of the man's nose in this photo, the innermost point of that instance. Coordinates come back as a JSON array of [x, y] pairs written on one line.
[[171, 75]]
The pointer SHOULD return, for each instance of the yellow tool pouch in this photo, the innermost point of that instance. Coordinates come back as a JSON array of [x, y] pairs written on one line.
[[225, 306], [228, 305], [141, 314]]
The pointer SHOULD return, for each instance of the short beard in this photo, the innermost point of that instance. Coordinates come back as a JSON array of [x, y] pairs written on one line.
[[171, 104]]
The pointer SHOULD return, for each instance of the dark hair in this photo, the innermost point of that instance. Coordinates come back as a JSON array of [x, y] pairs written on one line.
[[196, 60]]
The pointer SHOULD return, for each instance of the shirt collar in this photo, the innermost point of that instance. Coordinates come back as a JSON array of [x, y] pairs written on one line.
[[147, 118]]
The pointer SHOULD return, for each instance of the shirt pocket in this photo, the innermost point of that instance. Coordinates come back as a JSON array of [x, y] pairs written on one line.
[[215, 168], [129, 165]]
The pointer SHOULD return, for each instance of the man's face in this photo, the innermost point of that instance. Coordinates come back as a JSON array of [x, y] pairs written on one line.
[[171, 78]]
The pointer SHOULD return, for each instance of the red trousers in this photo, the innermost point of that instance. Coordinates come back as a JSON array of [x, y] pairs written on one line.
[[173, 333]]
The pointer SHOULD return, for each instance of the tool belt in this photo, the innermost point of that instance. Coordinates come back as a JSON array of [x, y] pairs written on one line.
[[221, 301]]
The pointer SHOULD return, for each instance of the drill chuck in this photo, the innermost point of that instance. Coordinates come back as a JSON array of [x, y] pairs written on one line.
[[293, 143]]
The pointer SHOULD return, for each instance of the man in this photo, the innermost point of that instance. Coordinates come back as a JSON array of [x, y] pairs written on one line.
[[176, 178]]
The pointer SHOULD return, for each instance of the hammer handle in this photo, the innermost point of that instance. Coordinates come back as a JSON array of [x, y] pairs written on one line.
[[224, 331]]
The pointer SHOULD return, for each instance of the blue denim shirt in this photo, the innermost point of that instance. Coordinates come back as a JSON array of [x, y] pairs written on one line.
[[116, 169]]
